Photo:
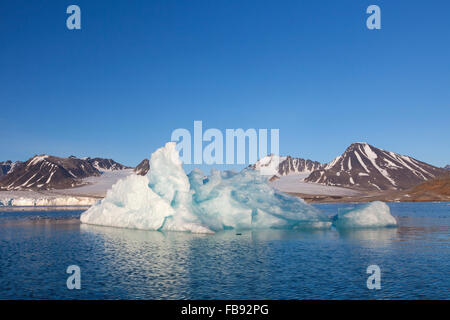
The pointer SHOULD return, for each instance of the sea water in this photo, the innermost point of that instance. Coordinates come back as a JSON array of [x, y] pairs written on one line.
[[37, 247]]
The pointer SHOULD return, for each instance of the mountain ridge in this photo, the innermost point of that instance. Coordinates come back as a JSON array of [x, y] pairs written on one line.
[[363, 166], [142, 168], [46, 172], [277, 166]]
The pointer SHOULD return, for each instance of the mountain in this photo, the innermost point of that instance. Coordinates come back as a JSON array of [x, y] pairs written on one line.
[[447, 167], [47, 172], [106, 164], [297, 165], [142, 168], [363, 166], [283, 166], [7, 166]]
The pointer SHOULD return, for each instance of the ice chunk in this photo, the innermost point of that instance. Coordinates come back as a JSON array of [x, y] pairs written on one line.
[[371, 215], [167, 199], [245, 201], [167, 176], [130, 203]]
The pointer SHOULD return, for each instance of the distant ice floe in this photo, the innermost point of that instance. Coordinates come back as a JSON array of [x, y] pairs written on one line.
[[168, 199], [371, 215], [46, 201]]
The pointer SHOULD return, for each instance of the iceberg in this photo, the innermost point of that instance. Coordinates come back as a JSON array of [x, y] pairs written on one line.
[[371, 215], [168, 199]]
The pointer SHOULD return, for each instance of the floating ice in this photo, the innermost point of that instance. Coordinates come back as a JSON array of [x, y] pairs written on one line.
[[168, 199], [371, 215]]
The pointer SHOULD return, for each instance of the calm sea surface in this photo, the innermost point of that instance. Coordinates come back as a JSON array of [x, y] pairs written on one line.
[[37, 247]]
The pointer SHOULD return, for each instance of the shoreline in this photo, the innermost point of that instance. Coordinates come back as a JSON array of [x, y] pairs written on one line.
[[42, 208], [309, 200], [364, 198]]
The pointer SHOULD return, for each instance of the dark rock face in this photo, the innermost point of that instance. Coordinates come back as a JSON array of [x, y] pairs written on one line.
[[297, 165], [287, 165], [363, 166], [48, 172], [7, 166], [106, 164], [143, 167]]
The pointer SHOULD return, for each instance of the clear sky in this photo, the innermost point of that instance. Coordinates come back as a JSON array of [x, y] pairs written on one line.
[[139, 69]]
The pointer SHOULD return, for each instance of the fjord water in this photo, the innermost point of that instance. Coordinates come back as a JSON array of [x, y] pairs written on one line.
[[37, 247]]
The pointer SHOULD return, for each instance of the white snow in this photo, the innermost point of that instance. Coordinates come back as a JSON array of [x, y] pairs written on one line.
[[50, 177], [37, 159], [361, 162], [332, 163], [32, 199], [86, 195], [268, 165], [97, 186], [26, 182], [296, 184], [372, 157], [369, 152]]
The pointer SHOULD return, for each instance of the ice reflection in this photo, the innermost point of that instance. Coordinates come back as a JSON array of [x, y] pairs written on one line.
[[379, 234], [372, 237], [156, 261]]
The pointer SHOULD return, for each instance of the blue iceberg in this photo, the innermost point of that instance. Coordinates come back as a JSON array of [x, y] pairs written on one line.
[[168, 199]]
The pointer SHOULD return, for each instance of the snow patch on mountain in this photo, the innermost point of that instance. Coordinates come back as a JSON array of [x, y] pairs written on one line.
[[274, 165]]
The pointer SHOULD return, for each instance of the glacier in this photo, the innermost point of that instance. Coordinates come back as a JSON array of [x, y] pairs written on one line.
[[167, 199]]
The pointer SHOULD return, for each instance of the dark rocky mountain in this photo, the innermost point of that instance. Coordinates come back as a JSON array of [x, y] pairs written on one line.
[[143, 167], [7, 166], [286, 165], [106, 164], [297, 165], [363, 166], [47, 172]]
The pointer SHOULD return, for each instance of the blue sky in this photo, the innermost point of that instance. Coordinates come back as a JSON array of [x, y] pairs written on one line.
[[139, 69]]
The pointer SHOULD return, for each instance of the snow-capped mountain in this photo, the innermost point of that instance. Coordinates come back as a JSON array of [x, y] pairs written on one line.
[[363, 166], [297, 165], [283, 166], [47, 172], [106, 164], [143, 167], [269, 164], [7, 166]]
